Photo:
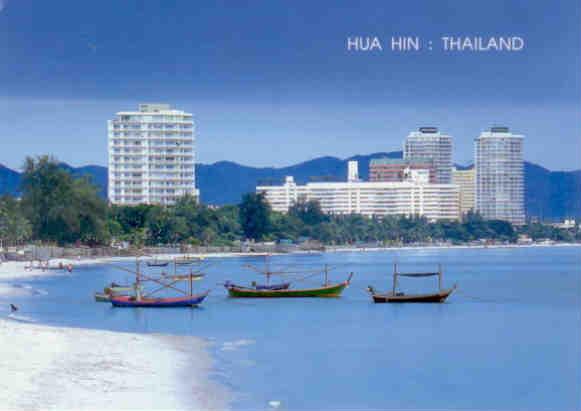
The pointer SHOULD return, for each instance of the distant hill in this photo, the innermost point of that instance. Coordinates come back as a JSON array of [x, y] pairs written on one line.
[[552, 194], [549, 194], [224, 182], [9, 181]]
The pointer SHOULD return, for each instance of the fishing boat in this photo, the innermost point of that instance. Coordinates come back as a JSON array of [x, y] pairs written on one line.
[[112, 290], [333, 290], [142, 298], [186, 301], [157, 263], [400, 297], [187, 260], [284, 290]]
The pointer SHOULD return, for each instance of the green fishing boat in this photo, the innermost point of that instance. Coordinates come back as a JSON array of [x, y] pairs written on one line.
[[284, 290], [332, 290]]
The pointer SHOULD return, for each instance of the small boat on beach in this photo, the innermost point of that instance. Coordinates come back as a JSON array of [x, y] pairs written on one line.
[[399, 297], [284, 290]]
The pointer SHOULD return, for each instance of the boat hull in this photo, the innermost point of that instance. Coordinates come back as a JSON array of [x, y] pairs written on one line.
[[187, 301], [330, 291], [157, 264], [438, 297]]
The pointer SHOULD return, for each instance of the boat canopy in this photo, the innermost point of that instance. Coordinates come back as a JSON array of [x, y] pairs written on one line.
[[417, 274]]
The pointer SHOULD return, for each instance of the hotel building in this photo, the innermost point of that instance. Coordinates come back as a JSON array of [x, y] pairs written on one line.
[[151, 156], [429, 143], [466, 181], [414, 196], [500, 175], [393, 169]]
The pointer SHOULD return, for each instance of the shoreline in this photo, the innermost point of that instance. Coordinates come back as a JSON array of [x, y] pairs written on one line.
[[16, 269], [48, 367], [446, 247], [71, 368]]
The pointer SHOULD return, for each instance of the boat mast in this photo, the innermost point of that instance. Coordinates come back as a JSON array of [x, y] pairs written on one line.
[[266, 261], [326, 275], [137, 280], [439, 277], [394, 277], [191, 286]]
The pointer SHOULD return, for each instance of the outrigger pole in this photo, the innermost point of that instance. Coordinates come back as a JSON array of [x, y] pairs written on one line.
[[394, 277]]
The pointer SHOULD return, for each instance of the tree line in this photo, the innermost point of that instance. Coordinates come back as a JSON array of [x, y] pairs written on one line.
[[57, 208]]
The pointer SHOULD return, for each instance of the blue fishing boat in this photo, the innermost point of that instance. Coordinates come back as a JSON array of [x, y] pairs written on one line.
[[132, 301], [144, 298]]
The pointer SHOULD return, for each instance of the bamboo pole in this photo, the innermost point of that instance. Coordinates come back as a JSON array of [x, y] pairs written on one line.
[[191, 286], [137, 280], [394, 278]]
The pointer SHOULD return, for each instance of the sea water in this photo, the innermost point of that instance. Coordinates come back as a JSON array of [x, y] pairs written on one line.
[[508, 339]]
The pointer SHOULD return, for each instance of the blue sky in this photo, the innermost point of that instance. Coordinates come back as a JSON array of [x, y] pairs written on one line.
[[271, 82]]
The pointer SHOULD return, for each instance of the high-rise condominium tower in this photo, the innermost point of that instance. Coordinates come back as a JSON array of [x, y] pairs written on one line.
[[500, 175], [429, 143], [466, 181], [151, 155]]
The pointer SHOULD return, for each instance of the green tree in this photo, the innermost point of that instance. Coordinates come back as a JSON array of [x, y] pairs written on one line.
[[160, 226], [14, 227], [255, 216], [59, 207], [309, 212]]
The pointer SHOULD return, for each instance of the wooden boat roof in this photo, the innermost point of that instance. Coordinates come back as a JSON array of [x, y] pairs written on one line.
[[416, 274]]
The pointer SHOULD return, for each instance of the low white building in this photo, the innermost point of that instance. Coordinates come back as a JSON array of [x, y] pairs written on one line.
[[414, 196]]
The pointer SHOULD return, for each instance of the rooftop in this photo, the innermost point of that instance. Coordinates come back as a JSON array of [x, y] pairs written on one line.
[[399, 161]]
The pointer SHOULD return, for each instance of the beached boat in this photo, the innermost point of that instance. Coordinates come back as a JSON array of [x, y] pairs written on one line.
[[284, 290], [395, 296]]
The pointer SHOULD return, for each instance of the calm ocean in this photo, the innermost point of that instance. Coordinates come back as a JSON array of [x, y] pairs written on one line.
[[508, 339]]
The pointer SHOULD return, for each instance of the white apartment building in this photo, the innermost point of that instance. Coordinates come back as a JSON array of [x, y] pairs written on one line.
[[466, 181], [500, 175], [429, 143], [151, 156], [413, 197]]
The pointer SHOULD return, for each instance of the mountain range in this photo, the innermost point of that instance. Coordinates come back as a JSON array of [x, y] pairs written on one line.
[[551, 195]]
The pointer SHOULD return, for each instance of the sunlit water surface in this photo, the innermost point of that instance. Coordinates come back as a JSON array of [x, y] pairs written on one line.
[[509, 339]]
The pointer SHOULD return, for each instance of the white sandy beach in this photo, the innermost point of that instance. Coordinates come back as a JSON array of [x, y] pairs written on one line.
[[76, 369]]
